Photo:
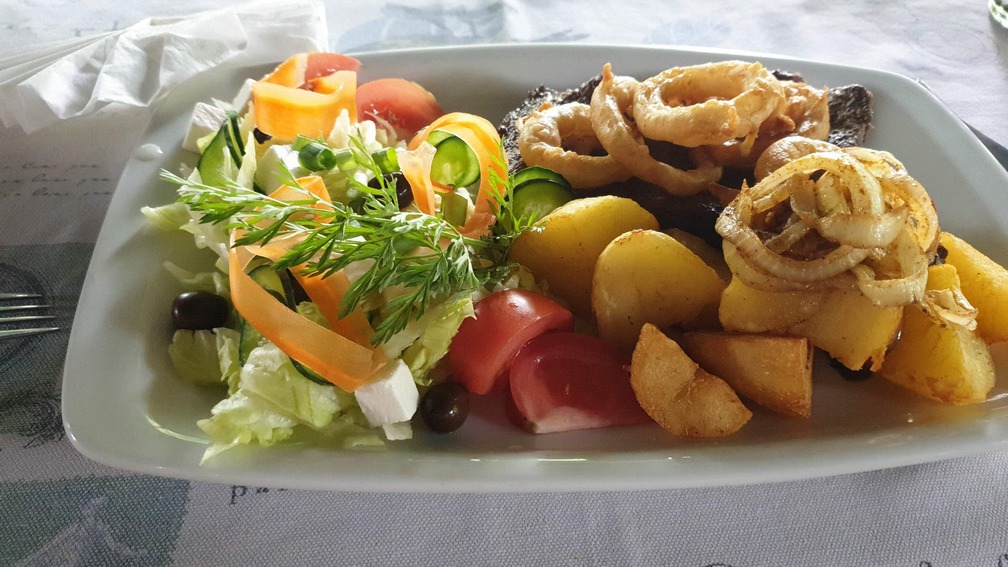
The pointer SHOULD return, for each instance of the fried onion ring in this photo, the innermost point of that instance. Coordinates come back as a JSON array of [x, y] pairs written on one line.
[[804, 111], [808, 107], [545, 135], [788, 149], [610, 104], [834, 219], [706, 104]]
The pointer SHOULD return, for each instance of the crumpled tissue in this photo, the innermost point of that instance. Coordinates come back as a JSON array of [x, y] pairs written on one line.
[[141, 64]]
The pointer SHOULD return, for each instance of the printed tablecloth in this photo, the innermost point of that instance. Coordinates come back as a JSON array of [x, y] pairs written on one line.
[[59, 508]]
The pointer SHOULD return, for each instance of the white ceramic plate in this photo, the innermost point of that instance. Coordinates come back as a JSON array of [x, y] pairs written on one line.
[[123, 406]]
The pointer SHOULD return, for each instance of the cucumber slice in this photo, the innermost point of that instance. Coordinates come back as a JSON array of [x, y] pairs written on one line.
[[215, 166], [537, 173], [223, 155], [234, 139], [438, 136], [539, 197], [455, 164], [272, 281]]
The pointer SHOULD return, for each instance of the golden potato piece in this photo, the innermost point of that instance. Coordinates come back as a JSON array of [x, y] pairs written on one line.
[[773, 371], [984, 283], [679, 395], [937, 360], [564, 252], [711, 256], [852, 329], [646, 276], [749, 310], [842, 322]]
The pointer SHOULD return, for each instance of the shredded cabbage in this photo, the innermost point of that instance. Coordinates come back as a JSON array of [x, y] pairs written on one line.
[[205, 357], [167, 217], [272, 399], [435, 330]]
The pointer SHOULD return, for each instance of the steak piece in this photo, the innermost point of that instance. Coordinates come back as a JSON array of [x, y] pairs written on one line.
[[508, 128], [850, 120], [849, 109], [850, 115]]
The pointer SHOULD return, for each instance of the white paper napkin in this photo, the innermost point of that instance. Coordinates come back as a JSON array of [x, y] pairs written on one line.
[[139, 65]]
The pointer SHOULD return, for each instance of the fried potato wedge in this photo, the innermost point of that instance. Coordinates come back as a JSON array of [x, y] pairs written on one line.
[[682, 397], [773, 371]]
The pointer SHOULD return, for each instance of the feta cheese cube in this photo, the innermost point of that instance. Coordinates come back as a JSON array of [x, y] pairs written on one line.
[[390, 399], [399, 431], [206, 119], [243, 97], [269, 172]]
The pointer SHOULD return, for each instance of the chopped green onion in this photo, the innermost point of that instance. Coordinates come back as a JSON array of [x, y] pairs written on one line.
[[302, 141], [455, 208], [316, 156], [386, 160]]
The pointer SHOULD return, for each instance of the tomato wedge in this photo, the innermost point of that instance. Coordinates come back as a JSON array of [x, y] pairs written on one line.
[[570, 381], [481, 353], [320, 64], [400, 103]]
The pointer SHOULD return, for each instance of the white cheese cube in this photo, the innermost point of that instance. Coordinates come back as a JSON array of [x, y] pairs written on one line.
[[243, 97], [206, 119], [390, 399], [400, 431], [269, 169]]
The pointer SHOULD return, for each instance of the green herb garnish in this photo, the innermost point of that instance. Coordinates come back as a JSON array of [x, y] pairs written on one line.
[[425, 256]]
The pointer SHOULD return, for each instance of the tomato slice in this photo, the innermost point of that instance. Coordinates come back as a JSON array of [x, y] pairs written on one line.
[[481, 353], [570, 381], [322, 64], [404, 105]]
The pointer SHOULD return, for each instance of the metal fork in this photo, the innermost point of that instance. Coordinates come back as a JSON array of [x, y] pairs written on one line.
[[19, 319]]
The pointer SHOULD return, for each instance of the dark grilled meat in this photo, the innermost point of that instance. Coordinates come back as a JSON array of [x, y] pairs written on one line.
[[850, 121], [508, 128], [850, 115]]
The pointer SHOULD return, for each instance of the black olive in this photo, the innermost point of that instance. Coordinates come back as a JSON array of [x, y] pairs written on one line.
[[404, 194], [445, 406], [199, 310], [260, 136], [863, 373]]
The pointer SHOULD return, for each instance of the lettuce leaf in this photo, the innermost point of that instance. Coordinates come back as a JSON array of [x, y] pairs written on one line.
[[205, 357], [435, 330], [213, 282], [167, 217], [272, 399]]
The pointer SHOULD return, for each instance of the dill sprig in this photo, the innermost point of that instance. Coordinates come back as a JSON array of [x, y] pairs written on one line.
[[423, 256]]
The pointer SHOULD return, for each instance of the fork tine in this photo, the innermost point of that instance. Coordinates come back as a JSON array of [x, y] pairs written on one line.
[[23, 318], [19, 295], [20, 307], [24, 331], [12, 333]]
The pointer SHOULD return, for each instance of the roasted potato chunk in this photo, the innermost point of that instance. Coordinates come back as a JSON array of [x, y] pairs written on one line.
[[645, 276], [683, 398], [773, 371], [936, 359], [842, 322], [563, 253], [985, 283]]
